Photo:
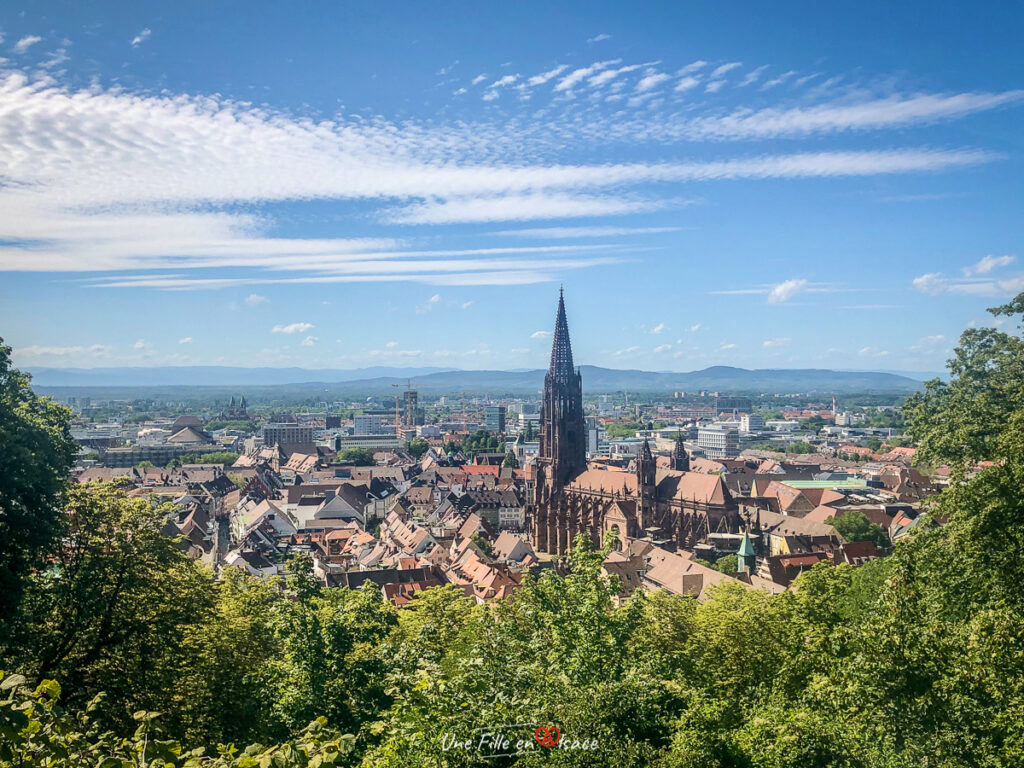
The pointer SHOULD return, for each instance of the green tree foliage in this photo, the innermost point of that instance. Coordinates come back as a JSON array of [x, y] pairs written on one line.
[[727, 564], [510, 461], [480, 441], [800, 447], [361, 457], [961, 421], [485, 546], [884, 420], [232, 425], [417, 447], [625, 429], [855, 526], [226, 458], [36, 731], [36, 453], [814, 423], [109, 612]]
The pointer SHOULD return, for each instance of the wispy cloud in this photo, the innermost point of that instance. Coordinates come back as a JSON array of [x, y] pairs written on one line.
[[544, 77], [923, 197], [599, 38], [529, 207], [36, 350], [725, 68], [786, 290], [780, 293], [776, 81], [929, 343], [651, 80], [142, 37], [779, 342], [501, 82], [753, 76], [987, 264], [559, 233], [186, 340], [606, 76], [309, 341], [429, 304], [150, 183], [695, 66], [25, 43], [658, 328], [292, 328], [870, 114], [937, 284], [254, 299], [574, 78], [540, 335]]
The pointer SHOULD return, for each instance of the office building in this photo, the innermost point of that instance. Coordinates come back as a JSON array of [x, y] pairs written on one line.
[[718, 442], [286, 433], [367, 425], [751, 422], [494, 419]]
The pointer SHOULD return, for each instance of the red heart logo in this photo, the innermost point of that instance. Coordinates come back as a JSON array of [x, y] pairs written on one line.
[[547, 736]]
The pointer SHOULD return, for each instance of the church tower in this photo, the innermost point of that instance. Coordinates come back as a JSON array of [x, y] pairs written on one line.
[[562, 455], [563, 445], [646, 471], [680, 459]]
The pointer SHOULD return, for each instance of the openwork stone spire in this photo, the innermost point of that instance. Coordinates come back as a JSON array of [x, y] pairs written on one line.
[[562, 434], [561, 348]]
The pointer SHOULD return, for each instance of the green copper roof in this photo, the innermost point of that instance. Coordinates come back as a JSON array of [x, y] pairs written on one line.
[[746, 546]]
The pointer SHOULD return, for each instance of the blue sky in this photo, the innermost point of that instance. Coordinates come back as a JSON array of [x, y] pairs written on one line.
[[339, 184]]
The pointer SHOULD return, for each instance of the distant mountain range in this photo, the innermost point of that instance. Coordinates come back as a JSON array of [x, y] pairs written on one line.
[[379, 380]]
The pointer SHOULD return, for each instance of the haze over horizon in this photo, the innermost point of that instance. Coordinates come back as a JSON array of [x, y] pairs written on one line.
[[333, 187]]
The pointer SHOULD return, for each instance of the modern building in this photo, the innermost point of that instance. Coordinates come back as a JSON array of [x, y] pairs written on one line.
[[285, 433], [494, 419], [368, 425], [526, 419], [158, 455], [384, 442], [751, 422], [729, 403], [718, 442]]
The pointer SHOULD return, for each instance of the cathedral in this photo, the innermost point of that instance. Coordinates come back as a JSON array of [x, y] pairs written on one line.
[[669, 506]]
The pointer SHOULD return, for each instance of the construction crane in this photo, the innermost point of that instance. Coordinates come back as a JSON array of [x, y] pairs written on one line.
[[408, 388]]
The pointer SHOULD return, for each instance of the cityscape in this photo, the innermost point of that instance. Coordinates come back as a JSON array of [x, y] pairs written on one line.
[[537, 385], [476, 491]]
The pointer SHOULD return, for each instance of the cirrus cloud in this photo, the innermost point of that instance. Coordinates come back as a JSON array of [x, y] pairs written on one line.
[[292, 328]]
